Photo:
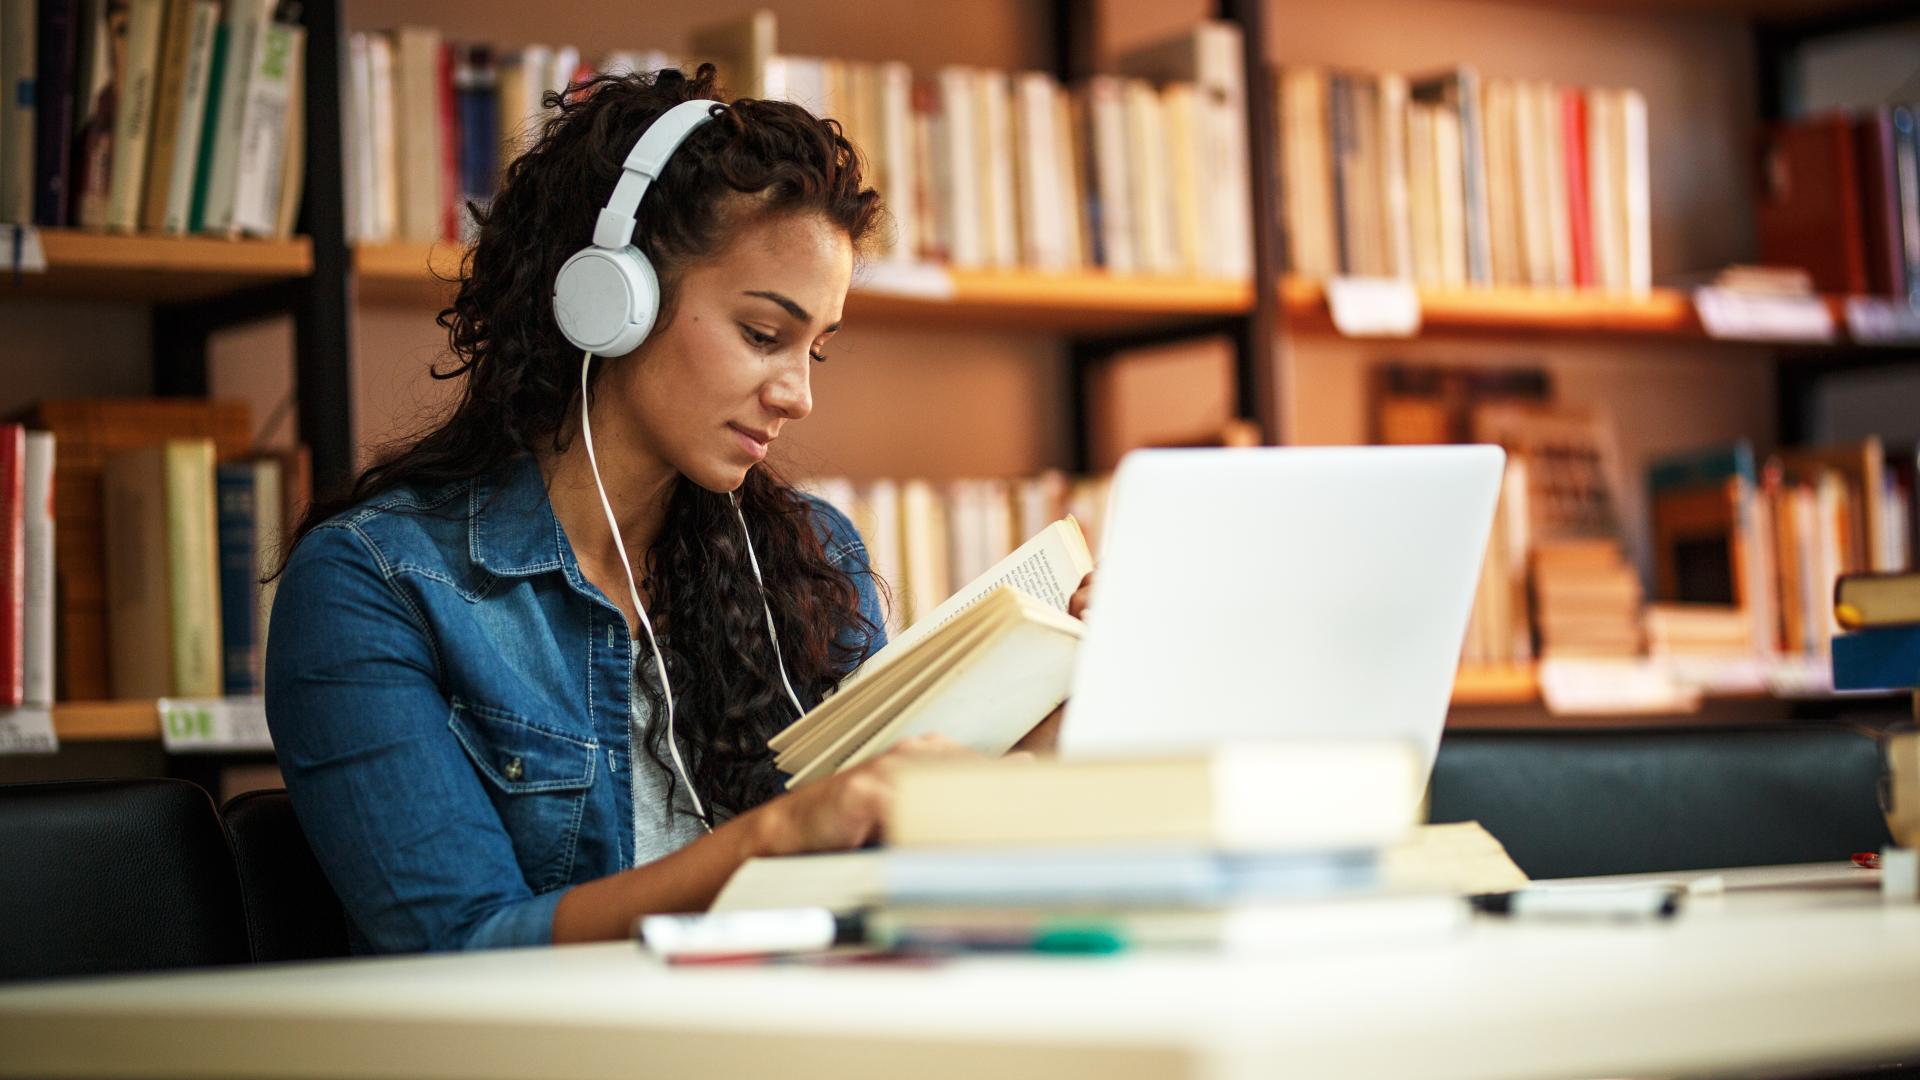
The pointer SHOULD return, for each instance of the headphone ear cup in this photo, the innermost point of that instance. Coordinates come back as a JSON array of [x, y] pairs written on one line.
[[605, 300]]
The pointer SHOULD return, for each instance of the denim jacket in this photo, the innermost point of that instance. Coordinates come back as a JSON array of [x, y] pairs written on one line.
[[450, 699]]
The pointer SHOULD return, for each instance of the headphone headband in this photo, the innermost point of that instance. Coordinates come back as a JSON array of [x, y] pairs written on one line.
[[614, 228]]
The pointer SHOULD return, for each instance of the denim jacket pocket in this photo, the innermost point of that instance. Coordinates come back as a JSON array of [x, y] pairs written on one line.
[[538, 780]]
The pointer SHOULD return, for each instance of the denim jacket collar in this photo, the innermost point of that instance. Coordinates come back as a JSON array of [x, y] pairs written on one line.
[[511, 528]]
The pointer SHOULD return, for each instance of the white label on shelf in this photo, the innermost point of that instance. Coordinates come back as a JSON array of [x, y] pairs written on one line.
[[893, 277], [230, 723], [1374, 307], [21, 251], [1613, 688], [1742, 316], [28, 730], [1882, 320]]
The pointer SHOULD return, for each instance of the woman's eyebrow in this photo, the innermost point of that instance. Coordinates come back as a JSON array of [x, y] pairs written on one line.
[[792, 308]]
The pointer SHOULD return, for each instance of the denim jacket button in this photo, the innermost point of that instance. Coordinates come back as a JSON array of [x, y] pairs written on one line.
[[515, 770]]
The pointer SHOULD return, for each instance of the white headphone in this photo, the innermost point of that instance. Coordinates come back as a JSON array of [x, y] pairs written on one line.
[[605, 299], [606, 296]]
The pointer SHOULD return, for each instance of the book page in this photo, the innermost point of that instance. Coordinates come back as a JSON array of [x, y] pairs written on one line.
[[1048, 568]]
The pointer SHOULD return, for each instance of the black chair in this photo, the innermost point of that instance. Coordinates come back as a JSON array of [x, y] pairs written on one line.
[[1573, 804], [291, 911], [110, 876]]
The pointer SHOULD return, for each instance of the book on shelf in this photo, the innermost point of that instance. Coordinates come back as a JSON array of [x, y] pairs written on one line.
[[1775, 538], [1880, 658], [163, 580], [982, 669], [153, 116], [1840, 199], [926, 540], [19, 58], [980, 168], [57, 53], [13, 564], [87, 432], [1452, 180], [38, 600]]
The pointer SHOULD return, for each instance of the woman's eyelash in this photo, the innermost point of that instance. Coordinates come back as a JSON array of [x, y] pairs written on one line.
[[763, 340]]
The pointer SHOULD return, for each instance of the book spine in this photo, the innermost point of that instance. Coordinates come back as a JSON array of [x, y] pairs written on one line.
[[13, 564], [177, 209], [1907, 162], [170, 81], [104, 28], [193, 569], [1886, 268], [448, 144], [264, 133], [270, 524], [18, 56], [239, 517], [1340, 156], [1637, 172], [37, 593], [54, 105], [1579, 224], [246, 26], [217, 60], [134, 113]]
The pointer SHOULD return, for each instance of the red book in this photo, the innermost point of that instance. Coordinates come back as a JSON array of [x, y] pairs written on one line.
[[451, 211], [13, 565], [1810, 212], [1573, 124]]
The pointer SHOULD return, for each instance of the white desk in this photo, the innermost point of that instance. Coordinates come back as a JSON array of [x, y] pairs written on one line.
[[1784, 976]]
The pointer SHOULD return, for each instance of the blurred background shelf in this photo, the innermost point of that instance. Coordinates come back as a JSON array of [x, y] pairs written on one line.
[[110, 266], [1007, 300], [106, 721]]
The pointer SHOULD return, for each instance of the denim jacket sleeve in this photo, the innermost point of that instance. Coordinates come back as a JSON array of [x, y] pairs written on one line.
[[848, 554], [386, 795]]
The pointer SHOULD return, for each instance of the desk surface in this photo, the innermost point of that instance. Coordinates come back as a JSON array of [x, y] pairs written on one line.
[[1802, 967]]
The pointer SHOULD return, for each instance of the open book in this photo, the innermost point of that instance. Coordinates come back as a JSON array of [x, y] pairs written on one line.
[[982, 669]]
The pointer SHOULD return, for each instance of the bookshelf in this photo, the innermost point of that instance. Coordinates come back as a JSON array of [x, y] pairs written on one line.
[[156, 269], [106, 721], [890, 295], [196, 283]]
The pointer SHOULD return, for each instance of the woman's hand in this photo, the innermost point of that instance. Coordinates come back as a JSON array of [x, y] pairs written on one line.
[[845, 810], [1045, 736], [1082, 597]]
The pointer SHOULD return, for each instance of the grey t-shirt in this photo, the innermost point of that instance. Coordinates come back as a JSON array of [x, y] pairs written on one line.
[[660, 828]]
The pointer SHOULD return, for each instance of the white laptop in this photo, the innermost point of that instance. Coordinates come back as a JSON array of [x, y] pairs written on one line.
[[1281, 593]]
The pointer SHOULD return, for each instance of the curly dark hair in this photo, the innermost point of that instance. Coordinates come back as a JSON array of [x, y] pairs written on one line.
[[520, 387]]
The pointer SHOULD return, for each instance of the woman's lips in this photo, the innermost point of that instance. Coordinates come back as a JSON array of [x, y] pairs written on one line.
[[753, 443]]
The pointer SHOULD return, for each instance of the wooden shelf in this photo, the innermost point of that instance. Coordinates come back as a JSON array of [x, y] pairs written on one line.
[[103, 721], [109, 266], [1495, 686], [1012, 300]]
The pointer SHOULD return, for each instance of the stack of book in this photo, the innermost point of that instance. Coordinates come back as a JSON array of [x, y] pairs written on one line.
[[926, 539], [1840, 198], [1450, 180], [1144, 172], [1587, 599], [161, 116], [164, 522], [1256, 847], [1881, 648]]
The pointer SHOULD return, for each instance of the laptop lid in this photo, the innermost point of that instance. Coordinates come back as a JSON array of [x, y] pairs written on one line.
[[1281, 593]]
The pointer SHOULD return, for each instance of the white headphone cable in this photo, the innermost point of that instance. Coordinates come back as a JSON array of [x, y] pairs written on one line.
[[633, 593], [772, 634]]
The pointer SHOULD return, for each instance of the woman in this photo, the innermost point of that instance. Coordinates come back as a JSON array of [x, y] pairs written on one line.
[[462, 685]]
